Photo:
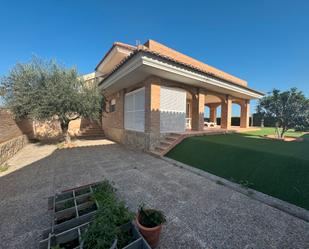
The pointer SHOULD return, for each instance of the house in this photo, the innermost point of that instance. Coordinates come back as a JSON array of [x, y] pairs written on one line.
[[152, 90]]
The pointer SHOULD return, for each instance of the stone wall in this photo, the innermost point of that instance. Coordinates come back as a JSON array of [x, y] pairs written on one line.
[[51, 130], [114, 134], [15, 134], [45, 130], [76, 125], [11, 147]]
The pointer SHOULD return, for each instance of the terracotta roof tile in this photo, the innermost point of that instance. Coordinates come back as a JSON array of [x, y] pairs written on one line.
[[177, 56], [167, 53], [119, 44]]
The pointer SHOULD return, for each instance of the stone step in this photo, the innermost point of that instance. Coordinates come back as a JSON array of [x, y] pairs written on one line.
[[91, 132], [170, 139], [91, 136], [155, 153], [165, 143], [92, 128], [174, 135], [159, 149]]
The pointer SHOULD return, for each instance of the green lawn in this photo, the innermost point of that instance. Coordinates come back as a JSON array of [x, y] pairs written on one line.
[[277, 168], [271, 131]]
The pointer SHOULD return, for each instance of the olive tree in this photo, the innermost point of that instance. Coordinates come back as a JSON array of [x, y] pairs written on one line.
[[43, 89], [289, 108]]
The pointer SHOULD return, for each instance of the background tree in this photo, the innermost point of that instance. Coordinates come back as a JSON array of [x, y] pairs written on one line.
[[290, 109], [42, 90]]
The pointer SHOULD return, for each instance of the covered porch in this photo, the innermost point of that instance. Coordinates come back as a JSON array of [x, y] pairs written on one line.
[[219, 109], [176, 111], [153, 97]]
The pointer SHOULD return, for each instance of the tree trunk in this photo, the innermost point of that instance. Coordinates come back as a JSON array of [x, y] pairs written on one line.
[[65, 132], [278, 131], [67, 138], [284, 129]]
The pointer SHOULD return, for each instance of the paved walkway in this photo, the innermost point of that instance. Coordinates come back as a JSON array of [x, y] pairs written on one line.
[[201, 213]]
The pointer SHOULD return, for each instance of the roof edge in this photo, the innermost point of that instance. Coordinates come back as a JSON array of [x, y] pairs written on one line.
[[140, 49], [115, 44]]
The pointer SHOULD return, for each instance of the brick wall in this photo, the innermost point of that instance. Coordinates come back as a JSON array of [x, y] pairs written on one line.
[[152, 105], [112, 122], [114, 119], [9, 128]]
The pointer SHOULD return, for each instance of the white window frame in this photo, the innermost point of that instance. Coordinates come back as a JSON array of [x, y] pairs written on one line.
[[134, 111], [112, 106]]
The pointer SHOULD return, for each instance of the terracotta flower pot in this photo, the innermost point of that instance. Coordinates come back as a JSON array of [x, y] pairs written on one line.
[[152, 235]]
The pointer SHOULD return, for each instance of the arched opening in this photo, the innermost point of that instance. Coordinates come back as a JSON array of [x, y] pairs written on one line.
[[218, 118], [189, 107], [236, 112], [207, 113], [213, 111]]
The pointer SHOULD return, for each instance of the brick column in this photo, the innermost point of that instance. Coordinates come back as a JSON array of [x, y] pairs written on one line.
[[213, 113], [244, 114], [198, 106], [152, 107], [226, 113]]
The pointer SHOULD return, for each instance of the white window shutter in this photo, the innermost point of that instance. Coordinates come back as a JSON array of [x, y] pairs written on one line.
[[134, 107], [172, 110]]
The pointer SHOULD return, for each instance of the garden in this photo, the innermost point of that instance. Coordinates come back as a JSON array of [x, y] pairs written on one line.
[[93, 216], [274, 167]]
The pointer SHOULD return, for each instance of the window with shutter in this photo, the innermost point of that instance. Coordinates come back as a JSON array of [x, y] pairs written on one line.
[[134, 107], [172, 110]]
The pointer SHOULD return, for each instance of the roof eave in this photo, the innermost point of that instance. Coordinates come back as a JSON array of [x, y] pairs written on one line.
[[257, 94], [115, 44]]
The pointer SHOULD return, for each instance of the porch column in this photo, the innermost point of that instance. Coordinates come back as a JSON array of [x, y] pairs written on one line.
[[245, 114], [152, 107], [198, 106], [226, 113], [213, 113]]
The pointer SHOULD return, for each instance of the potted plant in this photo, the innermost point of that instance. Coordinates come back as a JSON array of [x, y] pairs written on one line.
[[149, 222]]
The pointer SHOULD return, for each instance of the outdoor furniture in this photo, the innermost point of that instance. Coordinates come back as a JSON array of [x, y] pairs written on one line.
[[188, 123], [210, 124]]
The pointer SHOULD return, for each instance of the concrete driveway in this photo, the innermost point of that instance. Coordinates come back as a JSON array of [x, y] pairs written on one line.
[[201, 213]]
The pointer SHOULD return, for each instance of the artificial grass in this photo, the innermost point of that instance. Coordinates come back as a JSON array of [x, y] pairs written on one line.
[[272, 131], [276, 168]]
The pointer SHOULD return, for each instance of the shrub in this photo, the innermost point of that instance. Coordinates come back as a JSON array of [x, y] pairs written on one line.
[[150, 217], [107, 224], [4, 167], [301, 128]]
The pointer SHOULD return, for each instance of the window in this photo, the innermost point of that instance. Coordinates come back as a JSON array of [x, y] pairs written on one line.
[[112, 105], [172, 110], [134, 110]]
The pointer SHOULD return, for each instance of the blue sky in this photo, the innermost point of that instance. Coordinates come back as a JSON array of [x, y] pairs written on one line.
[[263, 42]]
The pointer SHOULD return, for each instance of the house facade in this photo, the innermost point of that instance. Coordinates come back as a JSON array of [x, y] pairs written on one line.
[[151, 90]]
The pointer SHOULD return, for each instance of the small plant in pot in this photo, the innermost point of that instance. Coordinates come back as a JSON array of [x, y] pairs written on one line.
[[149, 222]]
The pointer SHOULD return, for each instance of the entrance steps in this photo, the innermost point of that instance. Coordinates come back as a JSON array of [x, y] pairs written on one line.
[[92, 131], [167, 143], [171, 140]]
